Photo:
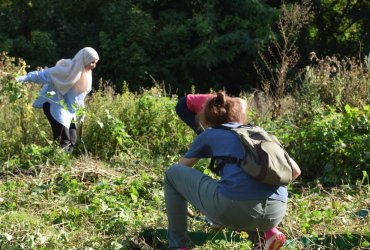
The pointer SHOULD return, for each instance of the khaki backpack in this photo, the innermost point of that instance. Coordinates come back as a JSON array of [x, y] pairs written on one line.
[[265, 159]]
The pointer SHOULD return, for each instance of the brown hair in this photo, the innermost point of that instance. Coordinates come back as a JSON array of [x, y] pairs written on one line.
[[221, 109]]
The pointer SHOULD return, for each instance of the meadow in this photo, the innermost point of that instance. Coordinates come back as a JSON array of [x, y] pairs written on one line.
[[108, 194]]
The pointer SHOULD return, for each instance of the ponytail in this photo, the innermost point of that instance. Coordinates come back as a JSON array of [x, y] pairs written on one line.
[[221, 109], [220, 99]]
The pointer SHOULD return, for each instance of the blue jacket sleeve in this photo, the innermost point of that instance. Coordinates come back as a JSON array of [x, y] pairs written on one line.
[[39, 77]]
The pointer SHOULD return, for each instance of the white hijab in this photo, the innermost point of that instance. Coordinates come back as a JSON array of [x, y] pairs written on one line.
[[68, 73]]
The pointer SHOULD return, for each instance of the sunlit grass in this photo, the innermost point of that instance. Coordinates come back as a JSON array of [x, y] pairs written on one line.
[[92, 205]]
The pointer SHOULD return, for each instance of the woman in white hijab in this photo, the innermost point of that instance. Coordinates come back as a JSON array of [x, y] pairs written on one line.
[[65, 88]]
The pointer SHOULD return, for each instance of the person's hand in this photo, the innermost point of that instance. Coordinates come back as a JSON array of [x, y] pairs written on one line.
[[21, 78]]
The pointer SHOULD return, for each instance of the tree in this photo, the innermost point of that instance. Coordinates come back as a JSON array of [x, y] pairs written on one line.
[[340, 27], [183, 43]]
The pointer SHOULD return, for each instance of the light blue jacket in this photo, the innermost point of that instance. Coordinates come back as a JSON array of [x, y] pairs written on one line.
[[62, 107]]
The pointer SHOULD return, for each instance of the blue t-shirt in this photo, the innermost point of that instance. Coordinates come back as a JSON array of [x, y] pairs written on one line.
[[62, 107], [234, 182]]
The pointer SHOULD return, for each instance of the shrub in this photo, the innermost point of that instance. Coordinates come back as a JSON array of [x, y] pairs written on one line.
[[336, 82], [129, 122], [20, 124], [334, 146]]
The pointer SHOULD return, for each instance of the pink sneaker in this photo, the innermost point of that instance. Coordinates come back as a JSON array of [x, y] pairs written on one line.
[[275, 242]]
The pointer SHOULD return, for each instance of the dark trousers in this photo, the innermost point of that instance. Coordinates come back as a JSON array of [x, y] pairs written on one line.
[[65, 136], [187, 116]]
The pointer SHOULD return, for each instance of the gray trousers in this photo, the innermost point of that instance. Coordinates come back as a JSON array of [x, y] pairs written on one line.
[[183, 184]]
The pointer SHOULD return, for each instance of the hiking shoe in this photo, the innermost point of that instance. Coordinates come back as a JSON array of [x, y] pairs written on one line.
[[68, 150], [275, 242]]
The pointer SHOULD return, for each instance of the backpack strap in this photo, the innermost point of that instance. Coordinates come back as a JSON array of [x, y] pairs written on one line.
[[221, 163], [225, 127], [222, 160]]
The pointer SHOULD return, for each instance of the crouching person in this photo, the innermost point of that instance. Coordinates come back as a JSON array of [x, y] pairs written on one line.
[[236, 201]]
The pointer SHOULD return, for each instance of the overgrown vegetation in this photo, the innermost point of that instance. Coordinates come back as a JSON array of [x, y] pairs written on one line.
[[278, 61], [109, 196]]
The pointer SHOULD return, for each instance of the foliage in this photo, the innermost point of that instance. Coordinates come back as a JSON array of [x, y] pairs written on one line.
[[10, 69], [91, 205], [336, 82], [31, 157], [209, 43], [19, 124], [329, 82], [338, 25], [132, 124], [106, 198], [279, 59], [194, 41], [212, 44], [331, 146], [127, 41], [320, 212], [77, 207]]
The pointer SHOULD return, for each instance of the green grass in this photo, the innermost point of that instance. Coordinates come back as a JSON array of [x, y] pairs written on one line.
[[92, 205]]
